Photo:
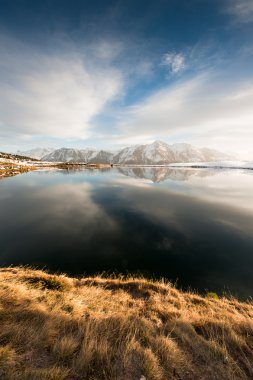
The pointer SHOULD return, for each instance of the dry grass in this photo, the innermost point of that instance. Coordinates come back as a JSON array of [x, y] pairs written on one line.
[[60, 328], [8, 169]]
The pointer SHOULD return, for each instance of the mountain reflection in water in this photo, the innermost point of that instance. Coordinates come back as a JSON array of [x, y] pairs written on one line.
[[193, 226], [160, 174]]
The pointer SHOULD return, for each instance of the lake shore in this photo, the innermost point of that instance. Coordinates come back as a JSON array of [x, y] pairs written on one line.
[[10, 169], [57, 327]]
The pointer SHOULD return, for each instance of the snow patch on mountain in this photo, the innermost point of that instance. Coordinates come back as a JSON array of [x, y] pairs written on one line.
[[79, 156], [36, 153]]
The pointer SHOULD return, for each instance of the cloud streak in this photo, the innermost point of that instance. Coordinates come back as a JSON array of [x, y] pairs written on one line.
[[241, 9], [201, 110], [54, 94]]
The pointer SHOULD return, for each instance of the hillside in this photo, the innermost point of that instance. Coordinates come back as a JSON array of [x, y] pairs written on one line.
[[56, 327], [79, 155], [36, 153], [15, 157], [13, 164]]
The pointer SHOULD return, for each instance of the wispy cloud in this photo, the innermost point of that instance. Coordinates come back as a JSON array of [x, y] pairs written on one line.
[[241, 9], [202, 110], [174, 61], [55, 94]]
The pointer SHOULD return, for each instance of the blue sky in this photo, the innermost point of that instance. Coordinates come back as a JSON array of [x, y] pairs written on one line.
[[115, 73]]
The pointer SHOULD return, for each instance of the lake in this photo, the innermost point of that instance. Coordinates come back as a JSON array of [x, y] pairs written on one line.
[[192, 226]]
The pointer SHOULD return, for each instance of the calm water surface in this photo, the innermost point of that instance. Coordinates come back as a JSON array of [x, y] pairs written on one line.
[[194, 227]]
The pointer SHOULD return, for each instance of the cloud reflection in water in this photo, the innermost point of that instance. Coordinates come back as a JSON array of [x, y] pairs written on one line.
[[195, 227]]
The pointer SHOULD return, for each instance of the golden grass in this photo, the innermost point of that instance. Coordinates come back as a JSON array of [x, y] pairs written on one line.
[[8, 169], [60, 328]]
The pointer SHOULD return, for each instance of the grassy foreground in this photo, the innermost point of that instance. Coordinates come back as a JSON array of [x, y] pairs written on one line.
[[56, 327]]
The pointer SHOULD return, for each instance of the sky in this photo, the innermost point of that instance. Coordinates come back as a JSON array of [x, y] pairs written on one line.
[[115, 73]]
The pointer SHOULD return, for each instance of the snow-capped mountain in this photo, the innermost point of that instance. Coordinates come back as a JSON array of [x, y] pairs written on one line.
[[160, 153], [103, 157], [157, 153], [37, 153], [79, 155]]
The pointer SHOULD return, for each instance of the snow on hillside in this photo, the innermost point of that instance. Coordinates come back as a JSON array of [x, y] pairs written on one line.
[[79, 155], [37, 153], [161, 153]]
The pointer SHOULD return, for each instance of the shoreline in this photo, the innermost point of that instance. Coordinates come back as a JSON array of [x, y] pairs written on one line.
[[11, 165], [12, 169]]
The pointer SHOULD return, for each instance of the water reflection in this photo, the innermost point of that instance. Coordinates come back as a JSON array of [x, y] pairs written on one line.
[[196, 231], [161, 174]]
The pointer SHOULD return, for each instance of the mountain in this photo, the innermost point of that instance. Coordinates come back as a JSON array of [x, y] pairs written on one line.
[[79, 155], [160, 153], [103, 157], [37, 153], [157, 153]]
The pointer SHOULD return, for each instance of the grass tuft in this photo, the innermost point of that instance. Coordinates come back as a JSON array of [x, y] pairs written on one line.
[[65, 348], [49, 282]]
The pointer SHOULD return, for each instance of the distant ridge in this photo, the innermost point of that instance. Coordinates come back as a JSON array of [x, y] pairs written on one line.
[[79, 155], [37, 153], [157, 153], [15, 157], [160, 153]]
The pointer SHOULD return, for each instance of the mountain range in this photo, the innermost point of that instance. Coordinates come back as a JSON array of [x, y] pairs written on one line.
[[36, 153], [156, 153]]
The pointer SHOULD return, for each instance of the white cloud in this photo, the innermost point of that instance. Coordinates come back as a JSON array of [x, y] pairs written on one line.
[[174, 61], [204, 110], [54, 94], [107, 51], [242, 9]]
